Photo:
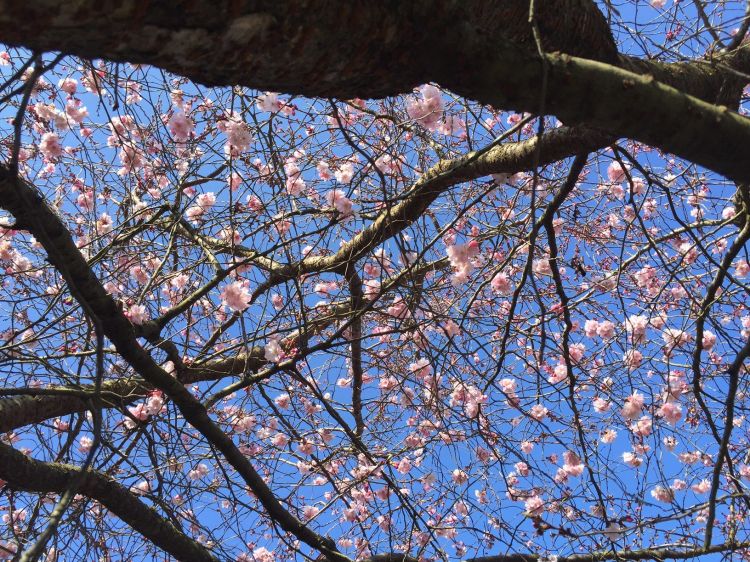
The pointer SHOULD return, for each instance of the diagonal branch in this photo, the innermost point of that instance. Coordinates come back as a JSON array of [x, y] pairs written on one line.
[[32, 213], [24, 473]]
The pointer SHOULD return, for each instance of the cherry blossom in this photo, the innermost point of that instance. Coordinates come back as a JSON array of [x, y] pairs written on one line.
[[236, 296], [427, 111]]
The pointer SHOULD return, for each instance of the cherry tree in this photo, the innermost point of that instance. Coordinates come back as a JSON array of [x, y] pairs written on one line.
[[387, 281]]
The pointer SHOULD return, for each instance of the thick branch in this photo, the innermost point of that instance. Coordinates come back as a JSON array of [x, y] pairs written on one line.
[[295, 45], [478, 49], [24, 473]]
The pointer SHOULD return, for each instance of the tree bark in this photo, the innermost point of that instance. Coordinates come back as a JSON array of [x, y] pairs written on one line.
[[479, 49]]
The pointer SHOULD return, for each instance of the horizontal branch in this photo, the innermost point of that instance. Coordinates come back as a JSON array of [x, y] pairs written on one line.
[[479, 49], [390, 45]]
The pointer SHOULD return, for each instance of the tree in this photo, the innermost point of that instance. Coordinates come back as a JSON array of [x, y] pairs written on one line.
[[496, 312]]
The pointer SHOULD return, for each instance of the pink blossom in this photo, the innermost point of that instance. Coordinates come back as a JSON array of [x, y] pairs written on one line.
[[709, 340], [421, 368], [269, 102], [559, 374], [542, 267], [338, 200], [674, 337], [137, 314], [671, 411], [636, 326], [572, 464], [689, 457], [324, 171], [534, 506], [85, 200], [605, 330], [459, 256], [388, 164], [633, 406], [283, 401], [615, 172], [139, 274], [131, 159], [85, 444], [50, 146], [638, 185], [60, 425], [236, 296], [154, 403], [139, 411], [632, 359], [678, 485], [590, 328], [646, 276], [404, 465], [662, 494], [295, 185], [631, 459], [200, 471], [576, 351], [238, 134], [76, 112], [205, 200], [398, 308], [701, 487], [508, 386], [501, 284], [608, 436], [234, 181], [459, 476], [538, 412], [272, 351], [643, 427], [741, 268], [309, 511], [450, 328], [601, 405], [427, 111], [141, 488], [103, 224], [181, 126], [345, 173], [68, 85]]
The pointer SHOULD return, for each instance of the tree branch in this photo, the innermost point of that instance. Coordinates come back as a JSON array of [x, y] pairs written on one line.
[[24, 473]]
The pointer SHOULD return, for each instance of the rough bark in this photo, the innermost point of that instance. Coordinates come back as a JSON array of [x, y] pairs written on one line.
[[482, 50], [295, 45]]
